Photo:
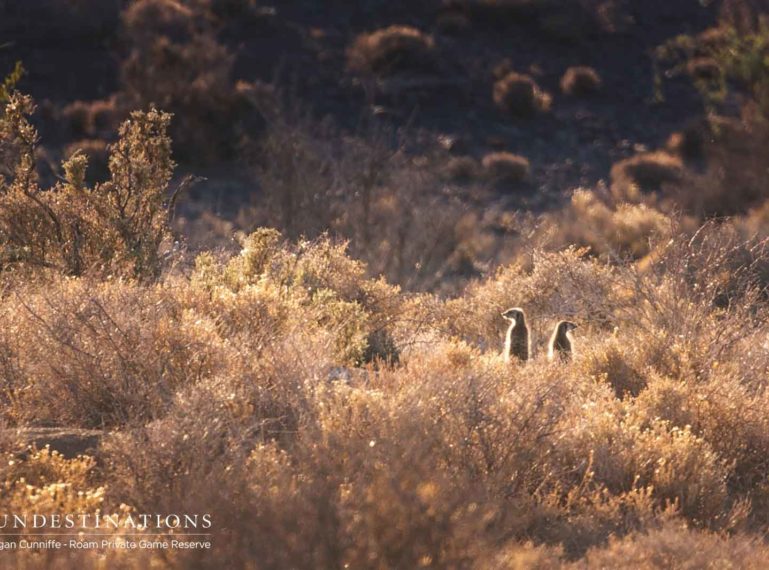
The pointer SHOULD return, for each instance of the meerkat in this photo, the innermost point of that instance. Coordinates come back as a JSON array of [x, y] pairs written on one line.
[[517, 343], [562, 342]]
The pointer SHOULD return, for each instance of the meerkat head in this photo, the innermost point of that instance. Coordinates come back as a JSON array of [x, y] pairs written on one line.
[[566, 326], [514, 315]]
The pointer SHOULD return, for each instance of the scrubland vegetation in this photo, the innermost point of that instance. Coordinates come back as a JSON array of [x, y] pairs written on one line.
[[347, 422], [329, 385]]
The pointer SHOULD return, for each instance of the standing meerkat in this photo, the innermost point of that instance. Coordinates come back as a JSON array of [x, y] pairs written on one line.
[[517, 343], [562, 342]]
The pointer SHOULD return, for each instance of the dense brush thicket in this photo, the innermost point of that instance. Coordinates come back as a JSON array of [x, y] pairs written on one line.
[[346, 423], [115, 227]]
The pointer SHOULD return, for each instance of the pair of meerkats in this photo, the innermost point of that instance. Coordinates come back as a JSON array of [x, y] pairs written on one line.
[[518, 341]]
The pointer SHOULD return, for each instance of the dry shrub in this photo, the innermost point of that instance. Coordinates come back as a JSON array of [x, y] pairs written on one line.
[[755, 221], [502, 68], [177, 63], [618, 231], [620, 362], [687, 143], [326, 286], [92, 119], [722, 176], [45, 482], [520, 96], [703, 59], [169, 465], [418, 494], [732, 180], [704, 69], [392, 50], [77, 118], [10, 81], [125, 351], [581, 81], [221, 420], [713, 39], [743, 15], [727, 65], [528, 411], [505, 167], [366, 190], [726, 415], [644, 173], [97, 154], [550, 286], [674, 464], [524, 555], [674, 545], [291, 169], [462, 169], [118, 353], [117, 227], [701, 294]]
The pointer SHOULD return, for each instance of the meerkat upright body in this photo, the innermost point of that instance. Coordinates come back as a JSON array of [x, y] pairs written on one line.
[[517, 342], [562, 342]]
